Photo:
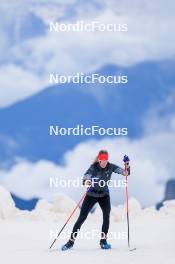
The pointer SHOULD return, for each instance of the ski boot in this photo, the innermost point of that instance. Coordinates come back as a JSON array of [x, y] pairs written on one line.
[[68, 245], [104, 244]]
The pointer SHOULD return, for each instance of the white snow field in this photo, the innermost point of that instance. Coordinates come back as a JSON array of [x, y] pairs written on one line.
[[25, 237]]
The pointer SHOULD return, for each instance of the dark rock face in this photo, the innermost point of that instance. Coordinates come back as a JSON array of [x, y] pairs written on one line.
[[170, 190], [169, 193]]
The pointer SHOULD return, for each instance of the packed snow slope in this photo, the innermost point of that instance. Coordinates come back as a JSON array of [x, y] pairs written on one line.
[[26, 236]]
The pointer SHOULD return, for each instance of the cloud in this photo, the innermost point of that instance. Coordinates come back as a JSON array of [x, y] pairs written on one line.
[[149, 38], [152, 164], [17, 83], [24, 70]]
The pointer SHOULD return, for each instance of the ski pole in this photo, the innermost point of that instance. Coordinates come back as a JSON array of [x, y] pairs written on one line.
[[78, 205], [126, 162]]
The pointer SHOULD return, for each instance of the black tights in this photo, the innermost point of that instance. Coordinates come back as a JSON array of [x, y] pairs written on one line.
[[87, 205]]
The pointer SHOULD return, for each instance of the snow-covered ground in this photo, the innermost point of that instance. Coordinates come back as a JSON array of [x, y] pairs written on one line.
[[25, 236]]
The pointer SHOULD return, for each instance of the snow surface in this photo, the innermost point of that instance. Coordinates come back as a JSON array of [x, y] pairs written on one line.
[[26, 236]]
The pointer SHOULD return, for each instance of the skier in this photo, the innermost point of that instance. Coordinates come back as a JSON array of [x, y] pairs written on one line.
[[101, 169]]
